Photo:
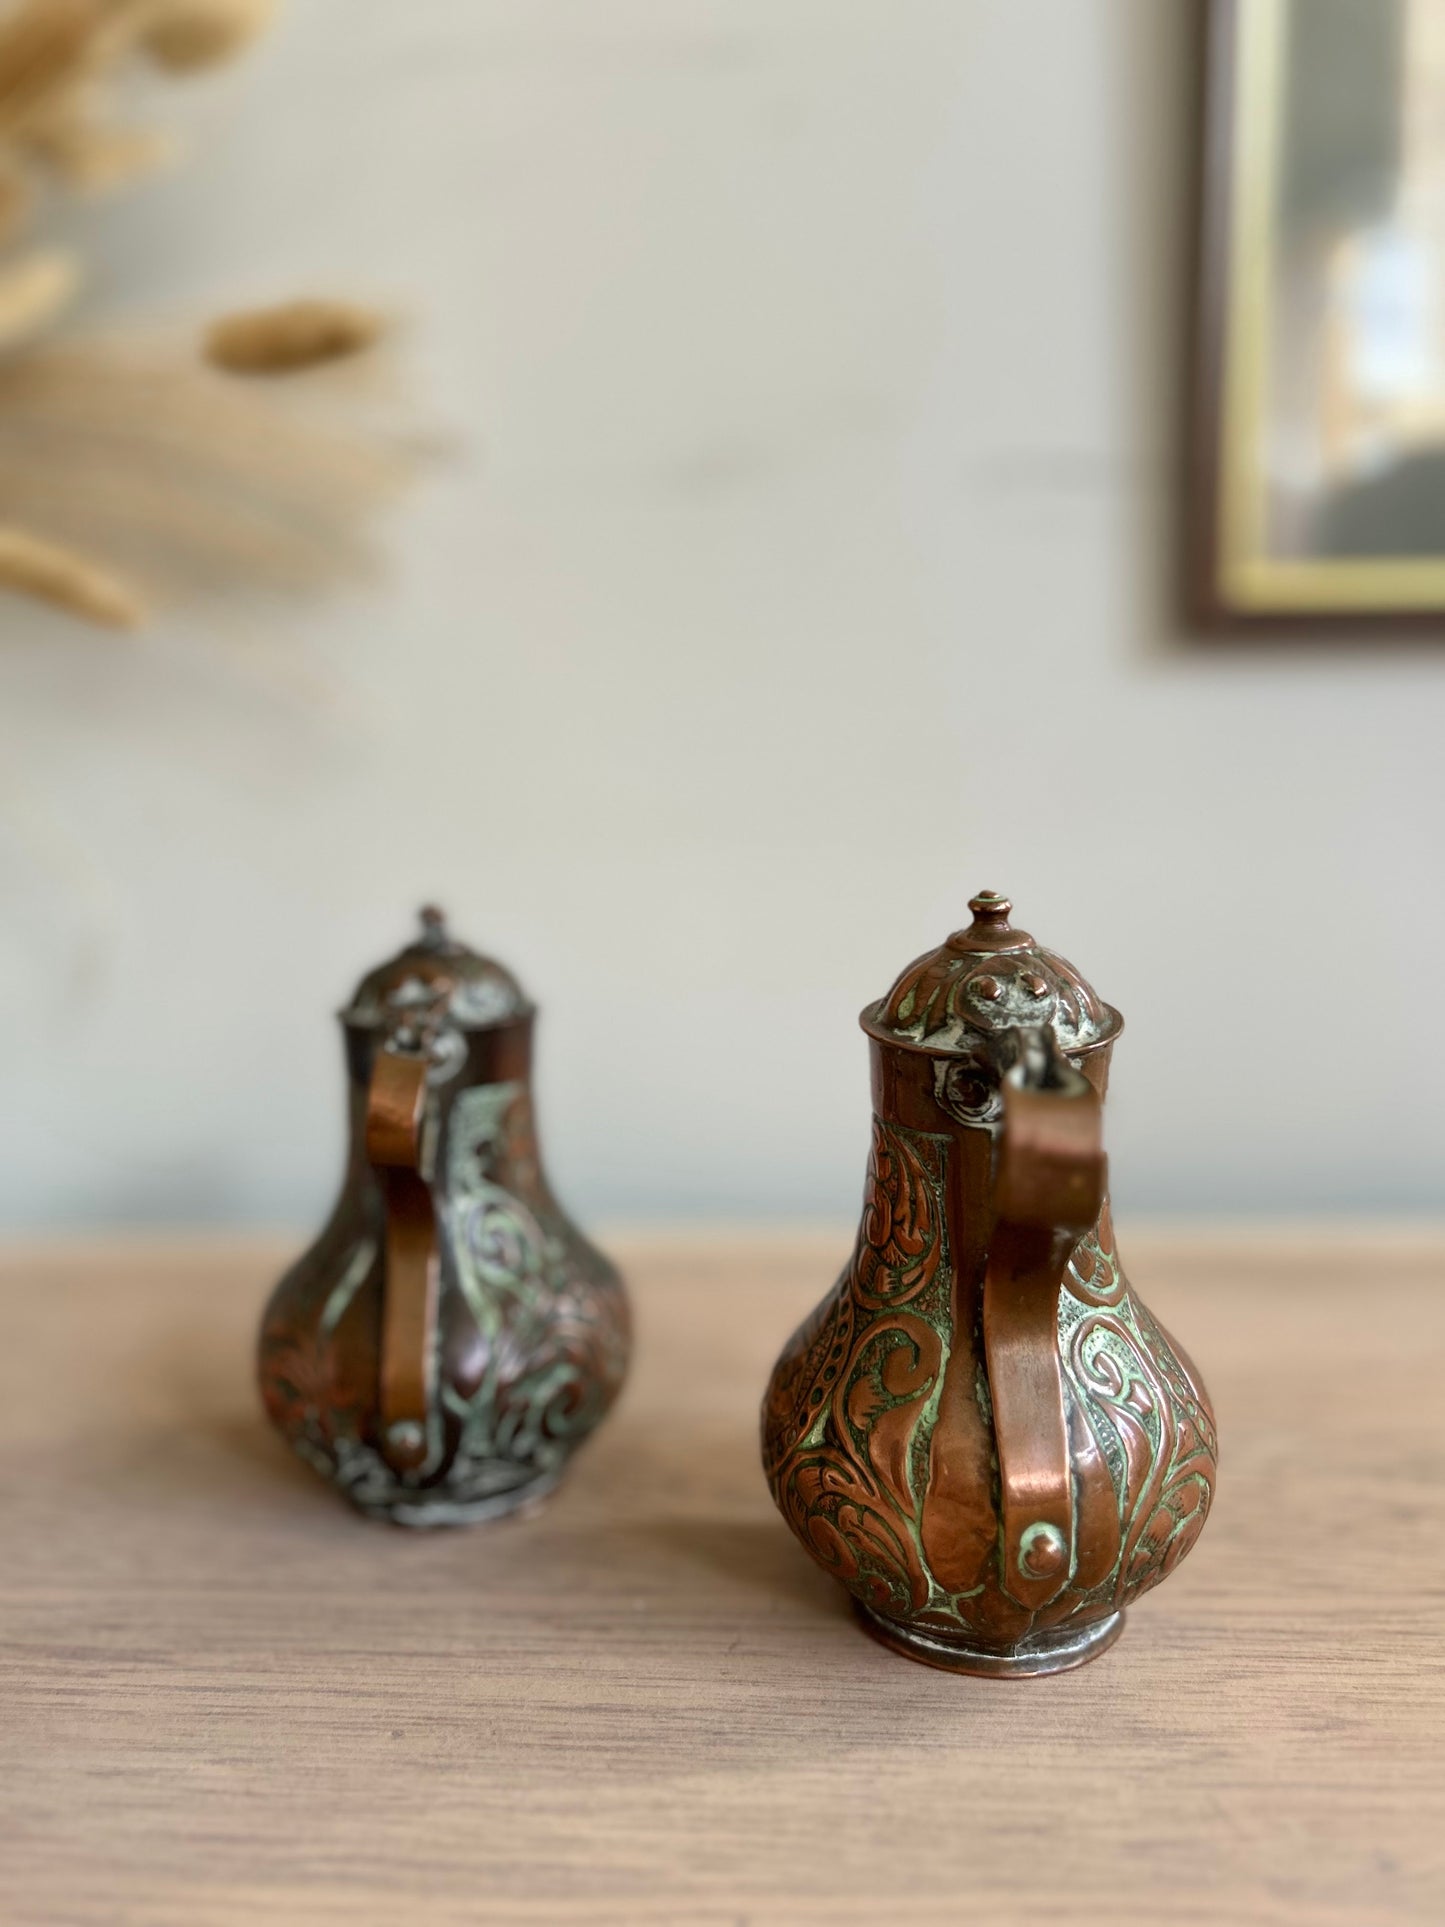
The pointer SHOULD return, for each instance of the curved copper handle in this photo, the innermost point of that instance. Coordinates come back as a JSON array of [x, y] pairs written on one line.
[[1049, 1189], [395, 1113]]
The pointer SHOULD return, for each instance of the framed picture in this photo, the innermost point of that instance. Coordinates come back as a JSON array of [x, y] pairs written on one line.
[[1319, 448]]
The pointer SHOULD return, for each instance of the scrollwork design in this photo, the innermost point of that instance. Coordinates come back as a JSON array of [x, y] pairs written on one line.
[[880, 1397], [1187, 1492], [900, 1237], [1154, 1428], [534, 1322], [1095, 1275], [302, 1395], [845, 1420], [849, 1424], [553, 1339], [798, 1387], [852, 1528]]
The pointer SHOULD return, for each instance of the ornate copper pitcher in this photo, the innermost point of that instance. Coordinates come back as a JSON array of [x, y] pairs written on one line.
[[451, 1337], [982, 1432]]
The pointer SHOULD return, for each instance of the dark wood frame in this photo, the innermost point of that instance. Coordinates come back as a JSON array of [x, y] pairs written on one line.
[[1216, 41], [1219, 43]]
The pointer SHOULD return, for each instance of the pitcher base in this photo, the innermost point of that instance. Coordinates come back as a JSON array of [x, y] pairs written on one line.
[[420, 1510], [1051, 1652]]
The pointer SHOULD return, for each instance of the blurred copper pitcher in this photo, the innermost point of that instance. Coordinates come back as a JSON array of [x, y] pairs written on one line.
[[451, 1336], [982, 1432]]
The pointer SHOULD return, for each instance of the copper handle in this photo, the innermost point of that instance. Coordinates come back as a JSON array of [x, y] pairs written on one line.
[[395, 1114], [1049, 1189]]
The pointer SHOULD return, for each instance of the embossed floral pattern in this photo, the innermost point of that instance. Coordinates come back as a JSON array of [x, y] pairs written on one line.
[[537, 1324], [853, 1407]]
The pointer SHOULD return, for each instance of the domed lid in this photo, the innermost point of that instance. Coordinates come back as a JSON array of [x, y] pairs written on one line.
[[986, 979], [436, 980]]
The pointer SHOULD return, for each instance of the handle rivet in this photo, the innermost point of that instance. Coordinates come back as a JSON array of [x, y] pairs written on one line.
[[988, 988], [1034, 984], [1042, 1551]]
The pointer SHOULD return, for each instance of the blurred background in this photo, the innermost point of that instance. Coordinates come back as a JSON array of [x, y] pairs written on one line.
[[799, 560]]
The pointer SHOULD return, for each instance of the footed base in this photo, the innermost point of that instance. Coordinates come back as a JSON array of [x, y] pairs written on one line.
[[423, 1508], [1051, 1652]]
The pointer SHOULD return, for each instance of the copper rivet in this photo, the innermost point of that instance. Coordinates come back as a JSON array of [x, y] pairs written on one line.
[[1036, 985], [1042, 1551], [988, 988]]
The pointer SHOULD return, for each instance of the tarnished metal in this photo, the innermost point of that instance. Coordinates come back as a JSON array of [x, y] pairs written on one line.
[[982, 1432], [451, 1337]]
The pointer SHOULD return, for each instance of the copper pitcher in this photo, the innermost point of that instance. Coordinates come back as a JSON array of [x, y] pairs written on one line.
[[451, 1337], [982, 1432]]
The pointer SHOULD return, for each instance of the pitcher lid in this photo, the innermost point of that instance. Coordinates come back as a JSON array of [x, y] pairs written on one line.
[[986, 979], [437, 977]]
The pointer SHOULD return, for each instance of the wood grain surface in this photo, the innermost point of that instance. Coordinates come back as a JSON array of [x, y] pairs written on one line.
[[225, 1698]]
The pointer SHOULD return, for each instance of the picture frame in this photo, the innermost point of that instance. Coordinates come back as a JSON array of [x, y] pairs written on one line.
[[1317, 486]]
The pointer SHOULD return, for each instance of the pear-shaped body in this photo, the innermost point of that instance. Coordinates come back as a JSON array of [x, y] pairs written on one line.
[[981, 1431], [451, 1337]]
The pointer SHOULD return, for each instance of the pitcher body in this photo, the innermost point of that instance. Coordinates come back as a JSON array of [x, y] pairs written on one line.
[[982, 1432], [451, 1337]]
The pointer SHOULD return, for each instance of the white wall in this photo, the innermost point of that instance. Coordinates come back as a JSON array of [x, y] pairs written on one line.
[[804, 572]]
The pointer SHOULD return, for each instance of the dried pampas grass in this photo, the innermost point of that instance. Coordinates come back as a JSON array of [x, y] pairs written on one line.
[[17, 199], [57, 58], [132, 475], [187, 35], [33, 291], [48, 50], [69, 580], [298, 334], [91, 159], [183, 484]]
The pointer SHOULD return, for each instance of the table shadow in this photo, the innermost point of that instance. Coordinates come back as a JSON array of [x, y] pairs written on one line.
[[759, 1553], [208, 1441]]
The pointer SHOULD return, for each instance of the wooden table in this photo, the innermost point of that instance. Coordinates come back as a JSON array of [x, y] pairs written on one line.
[[225, 1698]]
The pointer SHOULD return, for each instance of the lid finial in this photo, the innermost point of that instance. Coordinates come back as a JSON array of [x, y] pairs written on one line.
[[990, 912], [990, 930], [434, 932]]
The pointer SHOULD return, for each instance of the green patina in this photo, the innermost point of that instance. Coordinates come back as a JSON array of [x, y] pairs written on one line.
[[1119, 1371]]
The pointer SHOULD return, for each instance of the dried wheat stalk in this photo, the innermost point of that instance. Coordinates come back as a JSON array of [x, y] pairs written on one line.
[[191, 34], [68, 579], [134, 475], [297, 334], [187, 483], [33, 291]]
